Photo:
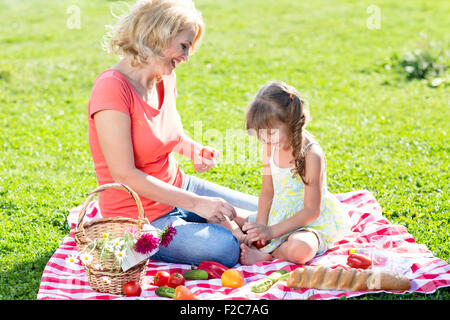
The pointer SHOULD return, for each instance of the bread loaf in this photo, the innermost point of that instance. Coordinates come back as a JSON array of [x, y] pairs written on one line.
[[388, 281], [346, 280]]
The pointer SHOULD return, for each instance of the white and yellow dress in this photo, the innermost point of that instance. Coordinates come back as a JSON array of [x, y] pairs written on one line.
[[331, 225]]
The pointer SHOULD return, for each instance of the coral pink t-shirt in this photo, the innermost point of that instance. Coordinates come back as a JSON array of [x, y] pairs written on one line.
[[155, 131]]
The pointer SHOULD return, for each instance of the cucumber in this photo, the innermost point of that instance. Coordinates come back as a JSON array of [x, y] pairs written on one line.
[[285, 276], [275, 276], [164, 291], [195, 275], [264, 284]]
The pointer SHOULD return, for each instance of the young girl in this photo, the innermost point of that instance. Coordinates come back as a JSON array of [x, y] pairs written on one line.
[[297, 217]]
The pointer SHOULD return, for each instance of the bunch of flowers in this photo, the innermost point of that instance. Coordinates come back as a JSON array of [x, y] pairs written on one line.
[[145, 243]]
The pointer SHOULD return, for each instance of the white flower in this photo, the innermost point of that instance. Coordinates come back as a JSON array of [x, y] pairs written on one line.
[[98, 266], [86, 258], [106, 280], [71, 260], [120, 255], [105, 236], [109, 247], [409, 69], [436, 82], [117, 243]]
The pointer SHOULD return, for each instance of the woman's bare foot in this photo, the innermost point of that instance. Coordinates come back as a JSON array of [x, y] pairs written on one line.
[[251, 256]]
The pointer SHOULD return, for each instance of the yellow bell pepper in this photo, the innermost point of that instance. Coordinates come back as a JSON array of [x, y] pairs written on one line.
[[232, 278]]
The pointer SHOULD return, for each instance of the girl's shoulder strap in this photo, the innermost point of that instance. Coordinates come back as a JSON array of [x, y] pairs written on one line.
[[308, 145], [272, 152], [311, 143]]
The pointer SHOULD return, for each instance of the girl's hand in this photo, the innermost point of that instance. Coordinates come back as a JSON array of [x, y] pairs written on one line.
[[204, 159], [243, 238], [257, 231], [214, 209]]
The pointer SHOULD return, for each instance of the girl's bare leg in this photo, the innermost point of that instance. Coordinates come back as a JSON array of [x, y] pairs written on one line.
[[300, 247]]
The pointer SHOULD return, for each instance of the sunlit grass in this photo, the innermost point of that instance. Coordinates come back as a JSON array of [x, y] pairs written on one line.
[[380, 131]]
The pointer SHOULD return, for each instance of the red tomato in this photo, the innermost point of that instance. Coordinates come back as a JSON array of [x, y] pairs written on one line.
[[176, 279], [259, 244], [161, 278], [132, 289], [356, 260], [208, 154]]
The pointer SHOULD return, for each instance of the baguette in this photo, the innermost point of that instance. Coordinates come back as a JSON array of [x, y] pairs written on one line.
[[388, 281], [346, 280]]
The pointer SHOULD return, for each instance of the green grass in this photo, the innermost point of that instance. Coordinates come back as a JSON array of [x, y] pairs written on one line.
[[380, 132]]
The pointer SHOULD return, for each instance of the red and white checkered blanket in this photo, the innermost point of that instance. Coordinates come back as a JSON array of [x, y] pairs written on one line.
[[426, 272]]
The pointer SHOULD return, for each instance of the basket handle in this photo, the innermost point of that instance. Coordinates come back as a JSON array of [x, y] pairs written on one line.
[[141, 218]]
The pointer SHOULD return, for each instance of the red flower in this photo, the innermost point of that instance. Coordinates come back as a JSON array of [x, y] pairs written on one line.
[[146, 243], [167, 235]]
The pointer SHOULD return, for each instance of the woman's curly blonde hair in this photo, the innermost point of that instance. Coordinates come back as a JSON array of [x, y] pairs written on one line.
[[145, 31], [278, 102]]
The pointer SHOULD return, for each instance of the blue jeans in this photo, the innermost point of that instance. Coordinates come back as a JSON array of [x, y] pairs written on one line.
[[196, 240]]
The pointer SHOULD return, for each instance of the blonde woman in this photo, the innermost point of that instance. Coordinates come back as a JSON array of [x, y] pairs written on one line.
[[134, 127]]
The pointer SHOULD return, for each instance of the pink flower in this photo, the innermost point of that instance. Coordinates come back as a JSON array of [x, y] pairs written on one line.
[[167, 235], [146, 243], [132, 231]]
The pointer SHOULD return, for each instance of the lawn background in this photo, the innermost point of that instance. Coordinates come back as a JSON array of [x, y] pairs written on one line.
[[380, 132]]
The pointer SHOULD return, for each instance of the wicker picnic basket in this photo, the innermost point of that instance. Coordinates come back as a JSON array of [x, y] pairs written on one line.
[[103, 279]]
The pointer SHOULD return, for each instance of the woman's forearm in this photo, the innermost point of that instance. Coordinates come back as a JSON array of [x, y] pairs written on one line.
[[159, 191], [187, 147]]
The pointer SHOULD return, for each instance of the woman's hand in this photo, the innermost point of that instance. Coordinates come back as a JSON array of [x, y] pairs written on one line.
[[257, 231], [214, 209], [204, 159]]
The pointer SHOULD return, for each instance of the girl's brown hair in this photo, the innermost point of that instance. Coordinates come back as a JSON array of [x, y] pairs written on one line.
[[278, 102]]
